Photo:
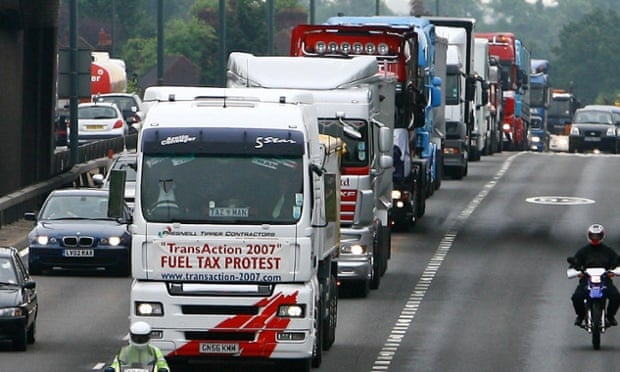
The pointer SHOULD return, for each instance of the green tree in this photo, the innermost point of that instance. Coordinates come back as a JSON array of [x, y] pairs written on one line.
[[587, 55]]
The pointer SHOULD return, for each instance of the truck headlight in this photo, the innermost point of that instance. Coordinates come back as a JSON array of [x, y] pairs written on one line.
[[292, 311], [574, 131], [149, 309], [357, 249]]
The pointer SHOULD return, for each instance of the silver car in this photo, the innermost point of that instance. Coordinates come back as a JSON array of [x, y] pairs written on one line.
[[97, 121]]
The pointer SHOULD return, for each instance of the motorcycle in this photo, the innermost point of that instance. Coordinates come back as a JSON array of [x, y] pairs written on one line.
[[596, 301]]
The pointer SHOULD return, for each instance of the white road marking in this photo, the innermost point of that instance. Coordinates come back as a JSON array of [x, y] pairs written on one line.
[[407, 315]]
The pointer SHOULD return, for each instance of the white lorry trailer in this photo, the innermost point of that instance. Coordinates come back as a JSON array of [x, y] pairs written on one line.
[[484, 128], [354, 102], [236, 226]]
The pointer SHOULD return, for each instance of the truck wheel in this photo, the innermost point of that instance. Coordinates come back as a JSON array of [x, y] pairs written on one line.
[[329, 324], [375, 277], [420, 191], [317, 350], [439, 176]]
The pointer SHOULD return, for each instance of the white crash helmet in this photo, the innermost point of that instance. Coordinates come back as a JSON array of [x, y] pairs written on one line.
[[139, 333], [596, 234]]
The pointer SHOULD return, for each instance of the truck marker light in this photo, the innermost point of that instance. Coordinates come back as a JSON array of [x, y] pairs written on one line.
[[291, 336]]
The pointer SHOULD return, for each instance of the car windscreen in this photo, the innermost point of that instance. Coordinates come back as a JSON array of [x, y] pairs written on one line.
[[593, 117], [75, 207], [96, 112]]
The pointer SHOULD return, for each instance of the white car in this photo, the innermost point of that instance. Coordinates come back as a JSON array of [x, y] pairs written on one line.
[[558, 143], [97, 121], [131, 106]]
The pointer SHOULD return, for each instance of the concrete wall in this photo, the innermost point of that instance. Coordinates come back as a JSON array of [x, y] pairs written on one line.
[[27, 91]]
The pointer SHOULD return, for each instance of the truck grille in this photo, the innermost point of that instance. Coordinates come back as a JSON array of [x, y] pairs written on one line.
[[219, 310]]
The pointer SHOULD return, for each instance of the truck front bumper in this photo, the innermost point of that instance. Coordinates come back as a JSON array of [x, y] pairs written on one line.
[[352, 265]]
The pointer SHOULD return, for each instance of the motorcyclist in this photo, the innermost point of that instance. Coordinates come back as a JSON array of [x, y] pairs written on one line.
[[139, 352], [595, 254]]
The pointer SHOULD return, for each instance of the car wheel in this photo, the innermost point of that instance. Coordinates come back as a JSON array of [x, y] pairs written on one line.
[[31, 333], [19, 340]]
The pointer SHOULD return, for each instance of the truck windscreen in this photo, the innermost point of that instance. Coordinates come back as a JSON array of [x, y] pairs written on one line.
[[224, 189], [356, 148]]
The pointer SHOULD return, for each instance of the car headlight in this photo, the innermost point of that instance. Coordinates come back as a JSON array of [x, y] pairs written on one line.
[[112, 240], [611, 131], [149, 308], [396, 194], [574, 131], [42, 239], [10, 312], [291, 311], [353, 249]]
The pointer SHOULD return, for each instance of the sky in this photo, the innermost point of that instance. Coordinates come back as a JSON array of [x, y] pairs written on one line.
[[402, 6]]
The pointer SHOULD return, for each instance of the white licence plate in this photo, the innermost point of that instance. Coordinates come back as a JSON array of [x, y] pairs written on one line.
[[79, 253], [215, 348], [592, 139]]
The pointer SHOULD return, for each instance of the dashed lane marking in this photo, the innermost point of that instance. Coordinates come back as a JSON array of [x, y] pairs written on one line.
[[401, 327]]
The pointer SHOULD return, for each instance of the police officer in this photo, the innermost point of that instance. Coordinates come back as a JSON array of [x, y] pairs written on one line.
[[596, 254], [139, 352]]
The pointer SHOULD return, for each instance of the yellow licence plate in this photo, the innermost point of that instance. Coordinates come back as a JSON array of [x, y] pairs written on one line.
[[94, 127]]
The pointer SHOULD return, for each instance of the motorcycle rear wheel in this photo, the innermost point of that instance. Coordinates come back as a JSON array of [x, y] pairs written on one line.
[[597, 315]]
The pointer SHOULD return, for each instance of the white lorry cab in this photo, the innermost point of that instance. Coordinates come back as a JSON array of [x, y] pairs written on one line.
[[355, 102], [236, 226]]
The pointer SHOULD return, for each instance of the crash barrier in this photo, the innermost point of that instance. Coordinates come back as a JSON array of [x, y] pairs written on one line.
[[93, 158]]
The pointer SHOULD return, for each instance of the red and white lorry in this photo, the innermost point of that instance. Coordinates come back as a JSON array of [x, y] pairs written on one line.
[[235, 229]]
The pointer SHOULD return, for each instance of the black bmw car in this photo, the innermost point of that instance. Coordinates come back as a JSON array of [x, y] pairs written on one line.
[[19, 304], [73, 232]]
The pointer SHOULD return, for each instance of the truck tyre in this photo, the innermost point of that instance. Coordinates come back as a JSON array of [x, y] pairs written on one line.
[[329, 324], [439, 175], [317, 350], [419, 189], [375, 276]]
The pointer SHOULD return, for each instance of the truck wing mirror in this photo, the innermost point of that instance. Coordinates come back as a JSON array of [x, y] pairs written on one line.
[[363, 214]]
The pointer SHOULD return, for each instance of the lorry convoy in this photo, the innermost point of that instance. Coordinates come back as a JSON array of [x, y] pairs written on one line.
[[254, 202], [419, 135], [515, 67]]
